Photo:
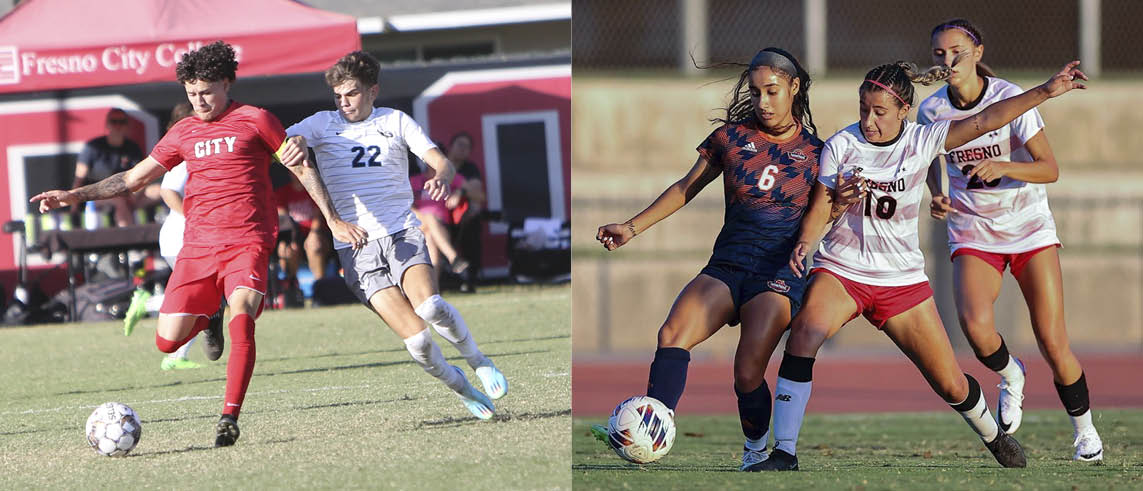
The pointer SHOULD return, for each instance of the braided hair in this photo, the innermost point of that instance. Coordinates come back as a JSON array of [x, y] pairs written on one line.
[[899, 78]]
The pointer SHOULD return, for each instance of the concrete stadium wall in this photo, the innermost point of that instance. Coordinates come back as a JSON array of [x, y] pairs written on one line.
[[633, 137]]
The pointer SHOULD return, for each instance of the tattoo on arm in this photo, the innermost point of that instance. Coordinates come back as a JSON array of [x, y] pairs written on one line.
[[311, 180], [630, 227], [115, 185], [976, 122]]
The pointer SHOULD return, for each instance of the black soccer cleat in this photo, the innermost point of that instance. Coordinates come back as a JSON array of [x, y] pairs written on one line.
[[226, 431], [779, 460], [1007, 451], [213, 342]]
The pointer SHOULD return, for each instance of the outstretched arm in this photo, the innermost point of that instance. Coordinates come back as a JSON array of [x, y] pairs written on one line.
[[1003, 112], [1042, 169], [119, 184], [294, 156], [614, 235]]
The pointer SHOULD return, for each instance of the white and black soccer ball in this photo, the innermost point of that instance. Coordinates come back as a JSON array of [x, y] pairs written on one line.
[[641, 429], [113, 429]]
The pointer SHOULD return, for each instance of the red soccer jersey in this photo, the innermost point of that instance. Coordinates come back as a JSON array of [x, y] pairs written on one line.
[[228, 197]]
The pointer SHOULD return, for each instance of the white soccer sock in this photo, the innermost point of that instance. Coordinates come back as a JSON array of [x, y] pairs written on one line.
[[976, 414], [446, 320], [428, 355], [790, 399], [759, 444], [1011, 373], [1082, 422], [183, 351]]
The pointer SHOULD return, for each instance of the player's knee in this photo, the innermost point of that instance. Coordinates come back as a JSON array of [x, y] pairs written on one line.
[[952, 389], [806, 336], [747, 374], [673, 335], [433, 310], [975, 320], [165, 345], [420, 347]]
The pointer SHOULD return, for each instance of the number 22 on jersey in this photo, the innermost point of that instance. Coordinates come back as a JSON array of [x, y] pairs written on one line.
[[360, 152]]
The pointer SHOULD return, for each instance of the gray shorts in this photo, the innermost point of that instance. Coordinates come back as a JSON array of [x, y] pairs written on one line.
[[381, 263]]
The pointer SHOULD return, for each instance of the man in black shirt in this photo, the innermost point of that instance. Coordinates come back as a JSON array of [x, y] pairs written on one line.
[[107, 155]]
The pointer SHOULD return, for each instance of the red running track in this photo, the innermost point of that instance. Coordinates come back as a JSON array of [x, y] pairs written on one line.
[[883, 384]]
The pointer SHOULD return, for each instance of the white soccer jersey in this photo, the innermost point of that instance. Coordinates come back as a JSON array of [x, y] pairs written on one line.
[[875, 242], [1006, 215], [365, 166], [171, 233]]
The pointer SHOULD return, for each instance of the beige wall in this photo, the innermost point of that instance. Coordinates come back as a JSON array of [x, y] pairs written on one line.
[[633, 137]]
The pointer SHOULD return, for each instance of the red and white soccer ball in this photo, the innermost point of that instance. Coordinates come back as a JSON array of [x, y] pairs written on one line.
[[641, 429], [113, 429]]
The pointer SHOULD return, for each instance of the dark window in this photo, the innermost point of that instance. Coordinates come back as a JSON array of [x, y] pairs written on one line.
[[523, 149], [47, 172], [468, 50]]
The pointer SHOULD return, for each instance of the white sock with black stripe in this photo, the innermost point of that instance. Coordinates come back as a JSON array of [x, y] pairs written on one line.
[[974, 410]]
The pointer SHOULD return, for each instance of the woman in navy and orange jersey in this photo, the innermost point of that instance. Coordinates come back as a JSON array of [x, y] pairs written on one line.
[[998, 216], [766, 151]]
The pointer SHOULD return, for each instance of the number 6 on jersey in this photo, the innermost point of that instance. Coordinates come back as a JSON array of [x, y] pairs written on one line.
[[768, 177]]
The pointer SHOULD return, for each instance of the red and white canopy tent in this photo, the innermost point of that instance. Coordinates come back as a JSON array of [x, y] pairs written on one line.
[[61, 45], [65, 44]]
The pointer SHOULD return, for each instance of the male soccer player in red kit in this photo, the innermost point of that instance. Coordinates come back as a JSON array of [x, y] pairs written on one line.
[[231, 219]]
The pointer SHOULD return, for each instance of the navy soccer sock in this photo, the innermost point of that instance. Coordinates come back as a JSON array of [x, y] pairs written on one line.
[[668, 375], [754, 412]]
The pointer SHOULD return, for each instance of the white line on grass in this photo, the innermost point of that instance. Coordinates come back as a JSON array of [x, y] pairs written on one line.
[[188, 398]]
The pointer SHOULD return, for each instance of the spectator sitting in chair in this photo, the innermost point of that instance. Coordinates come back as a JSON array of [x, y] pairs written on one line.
[[468, 210], [109, 154], [435, 217]]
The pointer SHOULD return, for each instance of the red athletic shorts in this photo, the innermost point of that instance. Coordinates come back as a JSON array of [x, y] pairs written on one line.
[[1000, 260], [881, 303], [204, 275]]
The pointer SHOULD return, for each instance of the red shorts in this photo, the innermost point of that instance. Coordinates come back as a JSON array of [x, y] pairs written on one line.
[[1000, 260], [881, 303], [205, 275]]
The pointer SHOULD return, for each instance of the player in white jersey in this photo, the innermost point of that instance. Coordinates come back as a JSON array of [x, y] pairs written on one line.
[[870, 264], [997, 211], [362, 155]]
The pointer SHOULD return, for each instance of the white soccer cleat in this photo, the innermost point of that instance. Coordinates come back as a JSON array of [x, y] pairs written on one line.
[[1010, 408], [476, 402], [1089, 448], [494, 382], [751, 457]]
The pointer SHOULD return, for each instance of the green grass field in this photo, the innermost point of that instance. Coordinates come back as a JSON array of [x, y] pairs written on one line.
[[874, 451], [335, 402]]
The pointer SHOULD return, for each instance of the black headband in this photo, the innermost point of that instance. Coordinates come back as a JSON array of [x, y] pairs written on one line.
[[775, 60]]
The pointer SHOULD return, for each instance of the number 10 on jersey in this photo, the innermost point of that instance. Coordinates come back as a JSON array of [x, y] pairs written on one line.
[[883, 206]]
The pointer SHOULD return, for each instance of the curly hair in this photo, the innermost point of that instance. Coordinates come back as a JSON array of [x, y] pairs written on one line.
[[358, 65], [899, 77], [211, 63]]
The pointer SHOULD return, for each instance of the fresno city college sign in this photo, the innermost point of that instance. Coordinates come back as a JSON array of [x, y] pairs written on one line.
[[122, 64]]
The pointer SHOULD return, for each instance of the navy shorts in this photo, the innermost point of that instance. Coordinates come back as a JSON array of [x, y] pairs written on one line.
[[746, 283]]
